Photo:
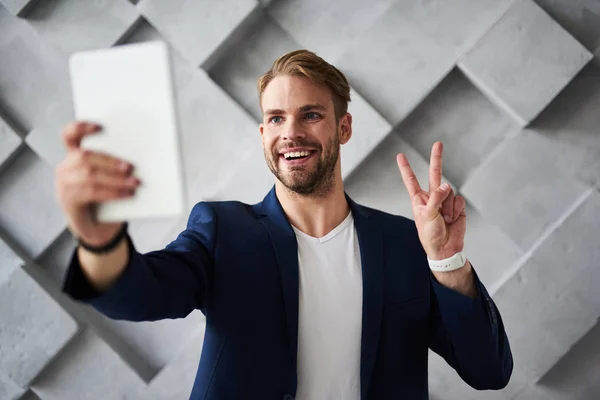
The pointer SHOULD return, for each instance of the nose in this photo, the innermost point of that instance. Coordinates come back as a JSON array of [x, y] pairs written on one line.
[[293, 130]]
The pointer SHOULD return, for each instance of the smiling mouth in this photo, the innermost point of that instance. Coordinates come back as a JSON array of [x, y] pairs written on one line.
[[296, 155]]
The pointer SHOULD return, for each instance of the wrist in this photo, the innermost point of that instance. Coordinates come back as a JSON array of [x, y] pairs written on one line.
[[107, 246], [461, 280]]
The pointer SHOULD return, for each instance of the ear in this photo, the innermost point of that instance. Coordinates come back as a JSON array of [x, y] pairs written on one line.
[[261, 128], [345, 125]]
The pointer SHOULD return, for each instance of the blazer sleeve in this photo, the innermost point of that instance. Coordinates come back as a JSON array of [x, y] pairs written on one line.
[[168, 283], [469, 334]]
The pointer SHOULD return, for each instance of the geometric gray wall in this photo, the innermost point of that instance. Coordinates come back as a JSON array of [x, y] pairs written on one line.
[[512, 88]]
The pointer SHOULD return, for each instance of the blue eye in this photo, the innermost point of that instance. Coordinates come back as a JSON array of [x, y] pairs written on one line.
[[272, 119], [312, 115]]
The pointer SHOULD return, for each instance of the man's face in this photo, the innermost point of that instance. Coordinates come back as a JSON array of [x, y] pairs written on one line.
[[300, 135]]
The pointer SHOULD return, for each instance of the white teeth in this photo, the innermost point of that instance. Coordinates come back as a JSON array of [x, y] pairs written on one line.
[[296, 154]]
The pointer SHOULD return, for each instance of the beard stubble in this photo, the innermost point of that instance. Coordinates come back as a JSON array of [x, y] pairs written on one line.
[[315, 181]]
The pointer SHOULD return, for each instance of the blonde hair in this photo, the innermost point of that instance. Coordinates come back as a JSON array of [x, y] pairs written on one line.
[[304, 63]]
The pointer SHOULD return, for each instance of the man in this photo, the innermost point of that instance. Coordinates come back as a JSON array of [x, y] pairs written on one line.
[[306, 293]]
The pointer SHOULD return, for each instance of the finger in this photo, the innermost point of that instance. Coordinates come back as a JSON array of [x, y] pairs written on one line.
[[74, 132], [436, 199], [435, 167], [408, 176], [459, 207], [103, 162], [101, 194], [448, 206], [84, 177], [83, 186], [83, 191]]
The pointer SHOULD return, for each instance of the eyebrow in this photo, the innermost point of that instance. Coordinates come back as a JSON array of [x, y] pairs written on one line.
[[307, 107]]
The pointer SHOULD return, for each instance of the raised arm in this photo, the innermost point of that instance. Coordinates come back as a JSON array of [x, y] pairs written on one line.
[[119, 281], [466, 327], [168, 283]]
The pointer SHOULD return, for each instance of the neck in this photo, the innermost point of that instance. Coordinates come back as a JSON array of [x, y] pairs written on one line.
[[314, 215]]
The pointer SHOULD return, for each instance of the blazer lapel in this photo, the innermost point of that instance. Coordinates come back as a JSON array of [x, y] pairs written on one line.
[[286, 250], [370, 240]]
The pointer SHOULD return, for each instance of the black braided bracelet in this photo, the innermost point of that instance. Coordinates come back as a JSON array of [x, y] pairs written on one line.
[[107, 247]]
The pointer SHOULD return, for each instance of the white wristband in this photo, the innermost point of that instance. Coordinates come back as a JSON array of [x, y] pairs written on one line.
[[448, 264]]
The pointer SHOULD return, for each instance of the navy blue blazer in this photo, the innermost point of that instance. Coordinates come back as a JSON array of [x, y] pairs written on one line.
[[238, 264]]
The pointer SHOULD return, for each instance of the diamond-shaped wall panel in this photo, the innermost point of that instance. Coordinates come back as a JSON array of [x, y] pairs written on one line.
[[322, 26], [523, 198], [18, 7], [173, 381], [9, 141], [570, 124], [9, 261], [484, 238], [33, 328], [575, 377], [238, 69], [183, 71], [189, 24], [411, 48], [558, 272], [33, 74], [59, 22], [28, 209], [55, 259], [459, 115], [8, 389], [581, 18], [29, 395], [45, 140], [368, 130], [517, 70], [88, 369], [156, 342], [212, 151]]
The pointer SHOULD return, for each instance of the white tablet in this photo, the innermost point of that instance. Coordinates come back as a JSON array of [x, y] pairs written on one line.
[[128, 90]]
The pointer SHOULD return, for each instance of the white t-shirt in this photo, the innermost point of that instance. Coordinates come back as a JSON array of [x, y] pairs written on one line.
[[330, 314]]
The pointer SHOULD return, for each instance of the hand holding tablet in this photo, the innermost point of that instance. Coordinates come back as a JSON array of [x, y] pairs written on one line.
[[128, 91]]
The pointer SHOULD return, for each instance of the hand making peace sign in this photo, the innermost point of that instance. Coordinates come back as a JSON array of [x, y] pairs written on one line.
[[439, 214]]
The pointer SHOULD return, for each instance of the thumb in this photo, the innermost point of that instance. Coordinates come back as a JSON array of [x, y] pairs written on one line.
[[437, 198]]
